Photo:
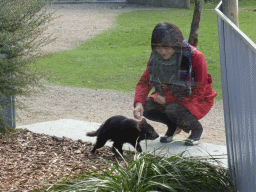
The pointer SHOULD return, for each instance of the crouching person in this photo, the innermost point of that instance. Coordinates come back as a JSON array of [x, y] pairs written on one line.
[[182, 86]]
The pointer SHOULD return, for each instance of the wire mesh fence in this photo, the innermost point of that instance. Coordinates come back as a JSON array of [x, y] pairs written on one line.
[[238, 69]]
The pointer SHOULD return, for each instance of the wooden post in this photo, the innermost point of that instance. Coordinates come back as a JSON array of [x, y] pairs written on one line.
[[194, 31], [230, 9]]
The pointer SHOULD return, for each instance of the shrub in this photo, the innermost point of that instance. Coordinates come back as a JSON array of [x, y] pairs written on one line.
[[153, 173], [22, 23]]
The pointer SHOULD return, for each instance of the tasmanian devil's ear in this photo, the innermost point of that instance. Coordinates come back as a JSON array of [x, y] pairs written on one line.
[[143, 120], [139, 125]]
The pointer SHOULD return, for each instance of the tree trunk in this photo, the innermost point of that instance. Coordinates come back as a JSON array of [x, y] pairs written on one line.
[[193, 37], [230, 9]]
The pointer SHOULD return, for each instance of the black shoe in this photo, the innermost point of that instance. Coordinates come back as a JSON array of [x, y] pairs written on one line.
[[194, 138], [191, 142], [166, 139]]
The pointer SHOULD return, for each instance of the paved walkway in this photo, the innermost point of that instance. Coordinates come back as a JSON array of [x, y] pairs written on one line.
[[76, 129]]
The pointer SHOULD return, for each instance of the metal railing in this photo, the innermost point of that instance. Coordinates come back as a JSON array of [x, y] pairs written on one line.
[[238, 69], [8, 107], [86, 1]]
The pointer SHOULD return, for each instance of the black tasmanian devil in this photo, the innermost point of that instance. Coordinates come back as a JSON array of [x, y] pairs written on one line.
[[122, 130]]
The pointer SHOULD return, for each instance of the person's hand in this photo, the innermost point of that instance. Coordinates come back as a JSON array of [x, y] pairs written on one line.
[[160, 100], [138, 111]]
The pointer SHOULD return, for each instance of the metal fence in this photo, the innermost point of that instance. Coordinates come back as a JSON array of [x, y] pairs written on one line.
[[8, 108], [86, 1], [238, 69], [8, 112], [156, 3]]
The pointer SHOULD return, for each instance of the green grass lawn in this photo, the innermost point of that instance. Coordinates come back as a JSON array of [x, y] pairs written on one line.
[[117, 58]]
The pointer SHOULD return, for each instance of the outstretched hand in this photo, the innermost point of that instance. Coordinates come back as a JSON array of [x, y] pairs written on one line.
[[138, 111]]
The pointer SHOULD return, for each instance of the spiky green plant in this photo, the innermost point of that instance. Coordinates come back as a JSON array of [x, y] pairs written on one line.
[[148, 172]]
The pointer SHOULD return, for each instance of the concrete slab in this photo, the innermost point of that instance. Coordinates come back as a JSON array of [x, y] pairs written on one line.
[[76, 129]]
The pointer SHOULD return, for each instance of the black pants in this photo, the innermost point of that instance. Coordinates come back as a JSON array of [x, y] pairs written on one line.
[[173, 115]]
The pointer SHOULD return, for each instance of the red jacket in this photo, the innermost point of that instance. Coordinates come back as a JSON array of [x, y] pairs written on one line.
[[201, 100]]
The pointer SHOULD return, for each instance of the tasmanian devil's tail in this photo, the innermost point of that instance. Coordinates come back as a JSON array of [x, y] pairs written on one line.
[[92, 134], [95, 133]]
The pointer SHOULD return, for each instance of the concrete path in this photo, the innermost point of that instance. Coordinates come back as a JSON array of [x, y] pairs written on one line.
[[76, 129]]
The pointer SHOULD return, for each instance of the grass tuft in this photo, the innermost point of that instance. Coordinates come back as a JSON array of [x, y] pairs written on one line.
[[147, 172]]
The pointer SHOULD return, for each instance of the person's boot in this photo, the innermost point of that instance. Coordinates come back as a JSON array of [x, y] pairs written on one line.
[[186, 120], [168, 137], [196, 133]]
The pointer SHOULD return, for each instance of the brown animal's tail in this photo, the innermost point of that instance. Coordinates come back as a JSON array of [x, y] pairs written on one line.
[[95, 133], [92, 134]]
